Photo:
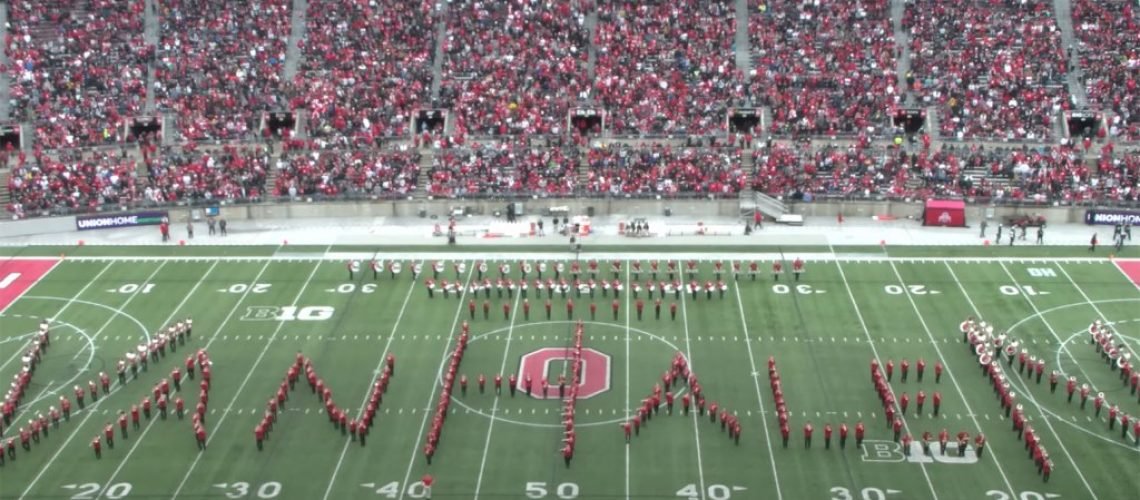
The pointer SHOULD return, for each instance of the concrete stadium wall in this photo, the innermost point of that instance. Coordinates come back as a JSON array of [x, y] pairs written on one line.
[[602, 207]]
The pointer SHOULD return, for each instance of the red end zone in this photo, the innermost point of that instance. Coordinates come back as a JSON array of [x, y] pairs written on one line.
[[18, 275], [1131, 269]]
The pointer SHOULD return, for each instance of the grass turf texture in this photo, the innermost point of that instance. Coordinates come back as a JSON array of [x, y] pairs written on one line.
[[822, 334]]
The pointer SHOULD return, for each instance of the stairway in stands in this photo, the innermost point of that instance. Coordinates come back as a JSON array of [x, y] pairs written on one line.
[[427, 156]]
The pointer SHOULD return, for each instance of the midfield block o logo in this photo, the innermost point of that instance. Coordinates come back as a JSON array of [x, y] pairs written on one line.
[[595, 371]]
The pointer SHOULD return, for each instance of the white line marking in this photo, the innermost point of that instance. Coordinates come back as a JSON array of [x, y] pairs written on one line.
[[949, 372], [435, 384], [1048, 424], [93, 406], [759, 394], [875, 352], [1093, 304], [368, 391], [495, 404], [627, 363], [248, 376], [173, 314], [58, 313], [696, 426]]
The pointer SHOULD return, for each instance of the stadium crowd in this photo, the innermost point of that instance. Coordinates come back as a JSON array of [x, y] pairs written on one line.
[[513, 69], [508, 168], [826, 67], [77, 69], [666, 67], [1109, 31], [219, 64], [358, 172], [993, 69], [366, 69]]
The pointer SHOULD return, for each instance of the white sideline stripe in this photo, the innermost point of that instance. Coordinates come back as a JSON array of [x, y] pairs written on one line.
[[174, 313], [37, 281], [252, 369], [950, 374], [628, 360], [94, 404], [696, 426], [1044, 417], [759, 394], [368, 391], [875, 352], [53, 316], [495, 404], [704, 257], [435, 383]]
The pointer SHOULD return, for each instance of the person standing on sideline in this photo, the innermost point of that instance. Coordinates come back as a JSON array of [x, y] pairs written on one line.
[[998, 238], [222, 226], [212, 226], [983, 225], [189, 229], [1012, 235], [1092, 243], [1040, 235]]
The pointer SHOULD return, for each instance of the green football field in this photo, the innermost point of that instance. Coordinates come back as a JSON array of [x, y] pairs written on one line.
[[254, 312]]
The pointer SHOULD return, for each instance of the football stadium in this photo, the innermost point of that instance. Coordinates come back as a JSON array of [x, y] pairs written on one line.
[[570, 249]]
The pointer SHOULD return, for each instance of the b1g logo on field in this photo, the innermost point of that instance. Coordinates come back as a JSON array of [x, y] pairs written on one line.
[[595, 371], [288, 313], [890, 451]]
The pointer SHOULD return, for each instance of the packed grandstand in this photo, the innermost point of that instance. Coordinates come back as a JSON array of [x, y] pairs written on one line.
[[998, 78]]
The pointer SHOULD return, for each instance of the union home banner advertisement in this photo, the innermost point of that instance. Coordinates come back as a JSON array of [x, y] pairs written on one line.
[[1112, 217], [107, 221]]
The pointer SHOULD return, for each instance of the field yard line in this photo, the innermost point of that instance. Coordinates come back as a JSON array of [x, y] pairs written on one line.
[[950, 373], [252, 369], [435, 383], [138, 292], [109, 482], [744, 255], [627, 363], [375, 376], [1044, 417], [1093, 304], [33, 285], [495, 404], [90, 409], [60, 311], [696, 426], [759, 394], [875, 352]]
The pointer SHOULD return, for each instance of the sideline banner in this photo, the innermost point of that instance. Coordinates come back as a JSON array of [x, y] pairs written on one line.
[[108, 221], [1112, 217]]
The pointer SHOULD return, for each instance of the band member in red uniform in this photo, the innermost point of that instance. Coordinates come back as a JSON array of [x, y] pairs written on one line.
[[905, 369], [627, 429], [937, 402], [673, 311], [860, 430], [1071, 387], [123, 423], [109, 434], [798, 267], [784, 433], [808, 429], [570, 308], [179, 406], [512, 383], [937, 372], [777, 270], [919, 368], [97, 446], [843, 435], [827, 436]]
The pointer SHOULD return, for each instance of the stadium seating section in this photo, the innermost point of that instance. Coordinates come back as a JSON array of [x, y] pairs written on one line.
[[994, 72]]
